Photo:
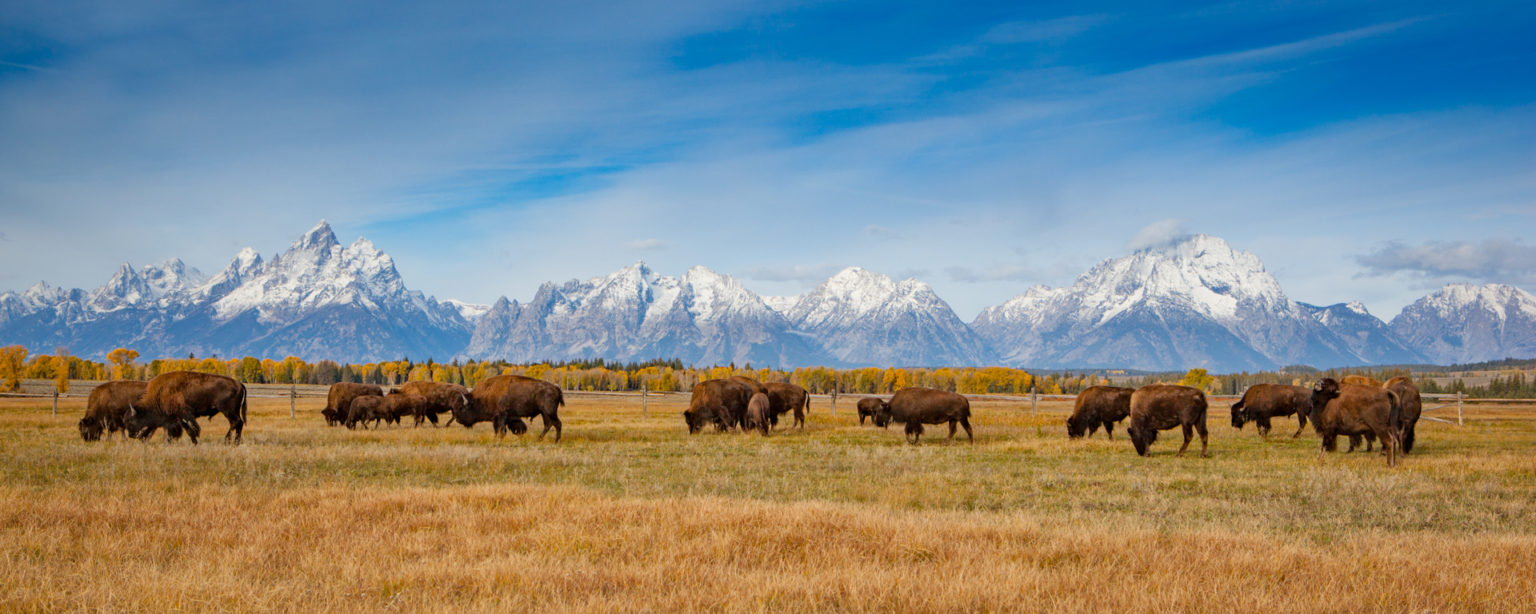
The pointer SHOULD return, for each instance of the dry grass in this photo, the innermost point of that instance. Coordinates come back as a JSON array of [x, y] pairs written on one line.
[[631, 514]]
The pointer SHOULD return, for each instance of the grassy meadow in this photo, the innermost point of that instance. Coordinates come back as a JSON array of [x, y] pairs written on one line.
[[631, 514]]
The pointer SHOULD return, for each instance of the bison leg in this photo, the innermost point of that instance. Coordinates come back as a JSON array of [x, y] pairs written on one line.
[[1408, 438], [966, 422], [800, 418], [1189, 435], [552, 420], [1093, 428], [861, 419], [236, 426], [1262, 424], [1109, 430], [952, 429], [1200, 428], [914, 432], [1301, 417]]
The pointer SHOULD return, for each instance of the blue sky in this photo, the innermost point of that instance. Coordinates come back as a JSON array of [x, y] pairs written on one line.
[[1365, 151]]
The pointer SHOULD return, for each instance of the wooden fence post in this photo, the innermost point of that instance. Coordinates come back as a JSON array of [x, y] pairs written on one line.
[[645, 402], [293, 395], [55, 402], [834, 400], [1034, 400], [1459, 397]]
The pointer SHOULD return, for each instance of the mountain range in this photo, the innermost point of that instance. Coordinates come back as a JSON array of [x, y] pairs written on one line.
[[1193, 302]]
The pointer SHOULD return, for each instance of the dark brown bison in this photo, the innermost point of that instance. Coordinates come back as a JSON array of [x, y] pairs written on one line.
[[868, 407], [369, 408], [785, 398], [107, 408], [759, 414], [1159, 407], [1096, 406], [1264, 401], [919, 406], [505, 400], [180, 397], [340, 399], [434, 398], [1412, 408], [1356, 409], [721, 402]]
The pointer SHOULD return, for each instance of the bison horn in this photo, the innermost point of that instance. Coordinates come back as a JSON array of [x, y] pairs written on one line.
[[465, 398]]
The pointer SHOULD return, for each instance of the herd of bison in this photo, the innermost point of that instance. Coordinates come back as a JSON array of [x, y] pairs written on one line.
[[1359, 407]]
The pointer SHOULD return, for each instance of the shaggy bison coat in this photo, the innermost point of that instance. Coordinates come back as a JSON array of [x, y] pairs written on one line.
[[868, 407], [1356, 409], [1264, 401], [432, 398], [721, 402], [919, 406], [759, 414], [785, 397], [1099, 406], [505, 400], [1412, 407], [176, 399], [339, 399], [1159, 407], [107, 408]]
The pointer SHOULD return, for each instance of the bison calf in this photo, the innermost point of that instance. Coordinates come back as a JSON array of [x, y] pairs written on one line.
[[1264, 401], [1099, 406], [1160, 407], [759, 414], [919, 406], [868, 407], [339, 400], [106, 410], [1356, 409], [369, 409]]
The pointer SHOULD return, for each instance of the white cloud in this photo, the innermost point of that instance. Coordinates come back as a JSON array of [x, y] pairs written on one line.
[[1157, 234]]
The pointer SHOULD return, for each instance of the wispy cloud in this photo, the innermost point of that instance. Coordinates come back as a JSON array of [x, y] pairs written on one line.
[[1157, 234], [1492, 260]]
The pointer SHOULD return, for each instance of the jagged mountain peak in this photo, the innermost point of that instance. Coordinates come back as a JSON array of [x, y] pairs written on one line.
[[319, 238], [1468, 323]]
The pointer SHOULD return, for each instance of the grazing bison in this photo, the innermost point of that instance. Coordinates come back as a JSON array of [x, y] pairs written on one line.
[[1264, 401], [919, 406], [107, 408], [1412, 408], [1099, 405], [340, 398], [505, 400], [1356, 409], [759, 414], [868, 407], [784, 398], [433, 398], [370, 408], [178, 398], [1158, 407], [721, 402]]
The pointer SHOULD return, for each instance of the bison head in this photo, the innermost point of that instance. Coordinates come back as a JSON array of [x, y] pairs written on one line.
[[90, 429], [882, 415], [1142, 437], [1323, 391], [1077, 426], [695, 421], [1239, 416]]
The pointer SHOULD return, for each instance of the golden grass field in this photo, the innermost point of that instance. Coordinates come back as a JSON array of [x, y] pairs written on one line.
[[631, 514]]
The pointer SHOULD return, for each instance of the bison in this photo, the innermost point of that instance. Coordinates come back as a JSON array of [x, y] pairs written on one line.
[[1158, 407], [433, 398], [1264, 401], [1356, 409], [1099, 405], [784, 398], [868, 407], [504, 401], [1412, 406], [340, 398], [759, 414], [919, 406], [176, 399], [107, 408], [370, 408], [722, 402], [1361, 379]]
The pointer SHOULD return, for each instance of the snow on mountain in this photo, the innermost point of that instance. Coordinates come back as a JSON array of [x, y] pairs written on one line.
[[702, 317], [865, 318], [1365, 335], [1194, 302], [469, 311], [1463, 323]]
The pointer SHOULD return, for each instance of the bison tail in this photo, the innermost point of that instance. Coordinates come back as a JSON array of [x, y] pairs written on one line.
[[242, 403], [1395, 415], [559, 398]]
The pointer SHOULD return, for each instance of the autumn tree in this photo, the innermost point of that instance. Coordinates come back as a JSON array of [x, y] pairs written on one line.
[[13, 361], [122, 362], [1197, 378], [61, 370]]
